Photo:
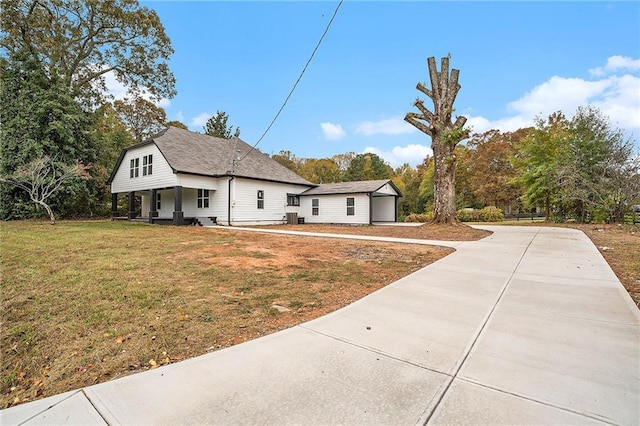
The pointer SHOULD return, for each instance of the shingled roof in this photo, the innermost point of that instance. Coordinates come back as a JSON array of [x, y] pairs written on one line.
[[196, 153], [364, 186]]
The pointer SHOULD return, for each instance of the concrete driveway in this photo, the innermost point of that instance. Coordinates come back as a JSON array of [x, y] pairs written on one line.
[[527, 326]]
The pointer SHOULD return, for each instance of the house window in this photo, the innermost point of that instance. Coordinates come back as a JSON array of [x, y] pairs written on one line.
[[203, 198], [315, 206], [351, 206], [158, 201], [293, 200], [260, 199], [134, 167], [147, 164]]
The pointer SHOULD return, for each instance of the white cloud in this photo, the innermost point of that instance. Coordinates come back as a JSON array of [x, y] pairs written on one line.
[[332, 132], [388, 126], [200, 119], [114, 87], [616, 63], [180, 116], [617, 96], [120, 91], [412, 154]]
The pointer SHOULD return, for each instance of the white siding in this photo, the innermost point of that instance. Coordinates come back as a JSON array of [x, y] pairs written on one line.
[[245, 211], [333, 209], [167, 202], [387, 189], [161, 177], [217, 198], [195, 181], [384, 209]]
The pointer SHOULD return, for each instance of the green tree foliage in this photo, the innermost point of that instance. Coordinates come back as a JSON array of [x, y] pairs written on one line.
[[490, 170], [426, 189], [41, 178], [543, 153], [217, 126], [82, 41], [287, 159], [367, 166], [598, 176], [407, 179], [323, 170], [178, 124], [141, 117], [40, 117], [343, 160], [582, 169]]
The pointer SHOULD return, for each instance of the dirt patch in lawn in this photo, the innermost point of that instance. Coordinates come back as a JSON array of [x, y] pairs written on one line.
[[86, 302], [458, 232]]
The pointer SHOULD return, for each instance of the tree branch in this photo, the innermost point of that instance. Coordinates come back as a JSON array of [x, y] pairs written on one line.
[[412, 118]]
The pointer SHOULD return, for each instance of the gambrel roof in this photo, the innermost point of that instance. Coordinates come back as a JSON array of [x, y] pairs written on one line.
[[358, 187], [199, 154]]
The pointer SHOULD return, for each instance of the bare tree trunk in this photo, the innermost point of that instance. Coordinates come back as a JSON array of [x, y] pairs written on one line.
[[52, 218], [444, 183], [445, 135]]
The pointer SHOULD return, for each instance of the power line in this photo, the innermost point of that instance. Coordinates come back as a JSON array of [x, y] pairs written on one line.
[[296, 83]]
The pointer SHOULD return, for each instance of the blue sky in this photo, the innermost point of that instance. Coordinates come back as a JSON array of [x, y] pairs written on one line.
[[516, 60]]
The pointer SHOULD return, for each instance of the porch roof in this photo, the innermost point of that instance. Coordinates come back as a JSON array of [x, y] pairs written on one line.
[[358, 187]]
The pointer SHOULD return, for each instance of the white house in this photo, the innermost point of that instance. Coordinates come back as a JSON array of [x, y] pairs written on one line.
[[182, 177]]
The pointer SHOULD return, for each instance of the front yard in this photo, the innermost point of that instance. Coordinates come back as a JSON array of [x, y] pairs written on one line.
[[86, 302]]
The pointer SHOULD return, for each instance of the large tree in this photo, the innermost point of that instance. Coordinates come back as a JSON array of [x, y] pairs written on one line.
[[323, 170], [540, 161], [142, 117], [367, 166], [217, 126], [445, 134], [82, 41], [39, 118]]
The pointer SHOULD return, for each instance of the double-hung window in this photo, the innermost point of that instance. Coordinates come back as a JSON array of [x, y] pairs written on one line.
[[203, 198], [134, 168], [293, 200], [158, 200], [147, 165], [351, 206], [315, 206], [260, 199]]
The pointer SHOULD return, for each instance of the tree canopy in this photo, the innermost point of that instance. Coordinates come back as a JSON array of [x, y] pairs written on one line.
[[217, 126], [82, 41]]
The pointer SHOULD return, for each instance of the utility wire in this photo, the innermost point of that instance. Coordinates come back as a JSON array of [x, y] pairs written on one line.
[[295, 84]]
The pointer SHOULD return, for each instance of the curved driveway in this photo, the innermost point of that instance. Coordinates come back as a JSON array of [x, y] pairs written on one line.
[[529, 325]]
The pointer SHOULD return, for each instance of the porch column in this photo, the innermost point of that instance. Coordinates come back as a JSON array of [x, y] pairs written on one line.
[[370, 195], [114, 205], [132, 205], [153, 212], [178, 214], [395, 213]]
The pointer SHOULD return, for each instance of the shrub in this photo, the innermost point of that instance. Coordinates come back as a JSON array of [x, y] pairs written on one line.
[[422, 218], [487, 214], [491, 214]]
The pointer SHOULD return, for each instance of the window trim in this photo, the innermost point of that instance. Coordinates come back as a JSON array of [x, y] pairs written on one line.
[[134, 168], [158, 200], [293, 200], [147, 165], [260, 199], [202, 198], [315, 206], [351, 208]]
